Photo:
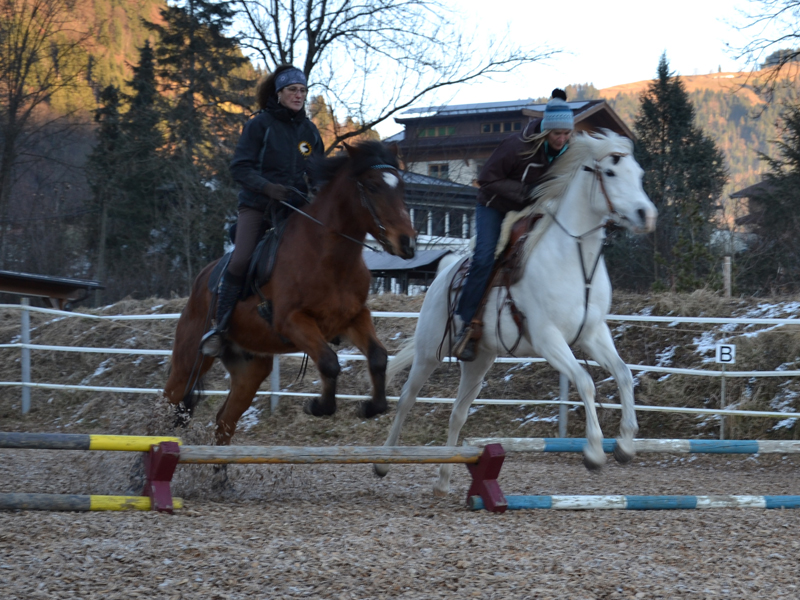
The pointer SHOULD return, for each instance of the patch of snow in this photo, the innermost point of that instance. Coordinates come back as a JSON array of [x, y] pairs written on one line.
[[104, 366], [156, 307], [785, 424], [397, 336], [249, 419], [474, 409], [665, 356]]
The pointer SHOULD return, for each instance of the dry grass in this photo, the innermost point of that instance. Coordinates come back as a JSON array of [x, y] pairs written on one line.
[[638, 343]]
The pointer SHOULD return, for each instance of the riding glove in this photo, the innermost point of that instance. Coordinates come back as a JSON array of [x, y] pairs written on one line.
[[275, 191]]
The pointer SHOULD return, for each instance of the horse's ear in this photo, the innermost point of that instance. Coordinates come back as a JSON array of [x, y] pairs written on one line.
[[351, 150], [394, 148]]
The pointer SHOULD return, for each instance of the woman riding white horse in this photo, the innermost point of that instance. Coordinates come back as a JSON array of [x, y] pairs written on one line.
[[597, 180]]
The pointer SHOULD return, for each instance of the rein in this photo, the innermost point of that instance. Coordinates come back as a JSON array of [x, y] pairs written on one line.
[[365, 202], [588, 278]]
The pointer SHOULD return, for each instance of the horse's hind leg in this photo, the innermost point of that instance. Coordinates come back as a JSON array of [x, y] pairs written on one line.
[[362, 334], [469, 387], [600, 346], [247, 373], [421, 370], [187, 367], [188, 364]]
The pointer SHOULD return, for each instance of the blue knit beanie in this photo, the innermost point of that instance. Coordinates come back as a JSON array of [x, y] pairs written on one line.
[[290, 77], [557, 114]]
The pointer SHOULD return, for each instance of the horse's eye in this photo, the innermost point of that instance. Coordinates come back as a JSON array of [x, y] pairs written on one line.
[[615, 159], [610, 173]]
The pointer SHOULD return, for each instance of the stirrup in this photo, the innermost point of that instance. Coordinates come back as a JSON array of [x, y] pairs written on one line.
[[212, 343], [465, 347]]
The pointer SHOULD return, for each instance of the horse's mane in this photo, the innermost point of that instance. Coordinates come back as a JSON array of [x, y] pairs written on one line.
[[584, 149], [364, 155]]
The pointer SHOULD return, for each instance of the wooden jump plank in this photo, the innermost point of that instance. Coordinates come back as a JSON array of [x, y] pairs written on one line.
[[73, 502], [76, 441], [331, 454], [646, 445]]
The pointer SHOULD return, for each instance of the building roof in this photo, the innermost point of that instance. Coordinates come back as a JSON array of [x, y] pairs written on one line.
[[424, 260], [753, 191], [426, 190], [60, 290], [486, 108]]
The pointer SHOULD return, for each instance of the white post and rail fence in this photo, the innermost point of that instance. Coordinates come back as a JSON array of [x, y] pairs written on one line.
[[725, 355]]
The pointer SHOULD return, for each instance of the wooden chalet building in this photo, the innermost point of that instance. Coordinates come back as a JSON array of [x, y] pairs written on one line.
[[443, 149], [453, 142]]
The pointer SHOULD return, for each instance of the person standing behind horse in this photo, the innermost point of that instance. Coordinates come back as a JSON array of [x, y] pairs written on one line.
[[507, 181], [270, 164]]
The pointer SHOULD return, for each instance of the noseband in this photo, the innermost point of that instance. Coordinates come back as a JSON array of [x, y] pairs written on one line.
[[367, 203], [598, 173]]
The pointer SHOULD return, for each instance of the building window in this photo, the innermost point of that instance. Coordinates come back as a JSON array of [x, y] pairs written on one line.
[[501, 127], [439, 171], [436, 131]]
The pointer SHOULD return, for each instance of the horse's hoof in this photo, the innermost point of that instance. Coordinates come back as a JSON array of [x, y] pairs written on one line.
[[314, 408], [621, 456], [380, 470], [439, 493], [368, 409], [220, 481], [591, 465], [182, 416]]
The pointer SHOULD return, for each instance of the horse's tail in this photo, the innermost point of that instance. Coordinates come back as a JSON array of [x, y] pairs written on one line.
[[402, 359]]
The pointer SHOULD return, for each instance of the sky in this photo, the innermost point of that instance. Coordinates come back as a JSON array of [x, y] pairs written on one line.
[[603, 43]]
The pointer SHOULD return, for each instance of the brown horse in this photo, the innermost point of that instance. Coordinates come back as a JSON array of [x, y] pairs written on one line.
[[318, 289]]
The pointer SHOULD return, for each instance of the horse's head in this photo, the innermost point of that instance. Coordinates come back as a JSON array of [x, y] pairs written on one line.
[[375, 169], [619, 182]]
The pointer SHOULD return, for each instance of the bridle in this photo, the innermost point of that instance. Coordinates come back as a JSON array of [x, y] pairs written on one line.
[[588, 277], [366, 202]]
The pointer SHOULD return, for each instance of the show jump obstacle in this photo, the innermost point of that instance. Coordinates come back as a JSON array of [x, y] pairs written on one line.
[[164, 454], [644, 446]]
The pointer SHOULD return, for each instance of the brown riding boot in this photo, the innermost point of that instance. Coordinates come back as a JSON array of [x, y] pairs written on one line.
[[465, 346]]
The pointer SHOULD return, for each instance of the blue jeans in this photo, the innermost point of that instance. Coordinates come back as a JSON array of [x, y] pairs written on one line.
[[488, 223]]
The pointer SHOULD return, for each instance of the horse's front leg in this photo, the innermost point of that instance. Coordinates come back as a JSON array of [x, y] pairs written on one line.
[[552, 346], [303, 332], [469, 387], [362, 333], [600, 345]]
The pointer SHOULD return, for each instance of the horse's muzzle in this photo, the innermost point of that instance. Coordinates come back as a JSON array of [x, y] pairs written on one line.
[[407, 247]]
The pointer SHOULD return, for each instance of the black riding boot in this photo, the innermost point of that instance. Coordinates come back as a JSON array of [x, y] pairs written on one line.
[[227, 297]]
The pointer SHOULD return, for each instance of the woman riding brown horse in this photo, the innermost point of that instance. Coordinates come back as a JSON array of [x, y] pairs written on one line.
[[318, 289]]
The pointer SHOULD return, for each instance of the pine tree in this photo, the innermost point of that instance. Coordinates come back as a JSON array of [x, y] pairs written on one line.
[[200, 69], [684, 177], [103, 168], [772, 263]]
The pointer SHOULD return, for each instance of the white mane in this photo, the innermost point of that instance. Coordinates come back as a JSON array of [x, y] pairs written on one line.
[[584, 149]]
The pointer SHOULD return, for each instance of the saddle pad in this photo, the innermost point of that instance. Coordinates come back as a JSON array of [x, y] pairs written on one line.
[[262, 263]]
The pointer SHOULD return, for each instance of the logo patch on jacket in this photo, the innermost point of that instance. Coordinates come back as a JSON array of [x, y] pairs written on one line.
[[305, 148]]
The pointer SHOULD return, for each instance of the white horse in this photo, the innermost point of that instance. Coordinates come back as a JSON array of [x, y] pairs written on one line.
[[564, 302]]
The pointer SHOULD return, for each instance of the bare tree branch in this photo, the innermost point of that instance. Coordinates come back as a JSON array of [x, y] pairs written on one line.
[[775, 45], [371, 59]]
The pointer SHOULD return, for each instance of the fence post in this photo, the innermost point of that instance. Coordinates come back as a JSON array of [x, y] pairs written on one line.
[[726, 277], [26, 356], [563, 392], [275, 384], [722, 404]]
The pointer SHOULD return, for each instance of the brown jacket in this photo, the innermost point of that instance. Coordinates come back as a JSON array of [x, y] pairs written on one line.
[[507, 177]]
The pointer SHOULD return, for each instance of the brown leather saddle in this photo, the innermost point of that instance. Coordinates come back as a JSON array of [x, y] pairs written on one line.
[[507, 271]]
